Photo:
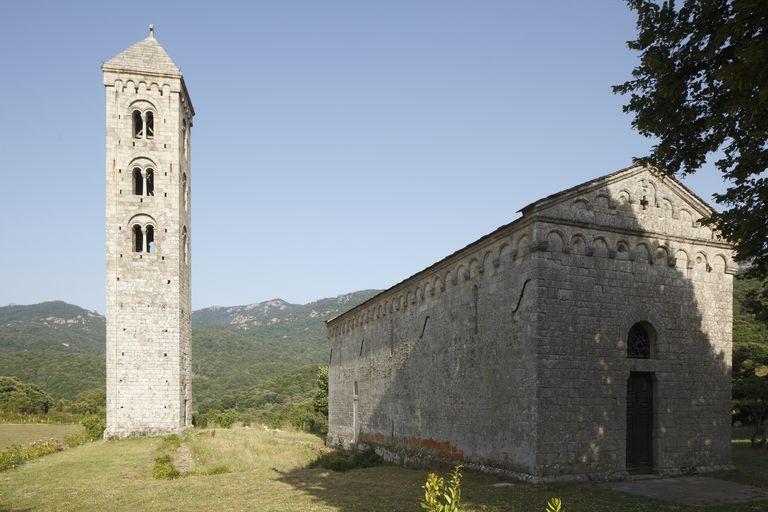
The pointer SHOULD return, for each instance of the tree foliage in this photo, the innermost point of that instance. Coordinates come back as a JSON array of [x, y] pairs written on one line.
[[701, 89], [320, 400], [19, 397]]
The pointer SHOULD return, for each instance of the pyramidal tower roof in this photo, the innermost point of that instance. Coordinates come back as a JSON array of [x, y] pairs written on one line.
[[146, 56]]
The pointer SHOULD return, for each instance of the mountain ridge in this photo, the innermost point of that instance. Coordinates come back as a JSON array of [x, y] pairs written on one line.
[[236, 349]]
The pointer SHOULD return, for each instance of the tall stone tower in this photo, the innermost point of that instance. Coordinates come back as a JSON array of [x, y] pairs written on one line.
[[149, 119]]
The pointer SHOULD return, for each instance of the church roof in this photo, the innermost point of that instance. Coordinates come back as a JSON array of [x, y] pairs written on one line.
[[146, 56], [700, 204]]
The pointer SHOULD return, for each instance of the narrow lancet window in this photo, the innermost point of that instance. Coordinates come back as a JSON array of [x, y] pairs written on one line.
[[138, 125], [138, 239], [149, 125], [150, 239], [184, 194], [150, 182], [185, 245], [138, 182]]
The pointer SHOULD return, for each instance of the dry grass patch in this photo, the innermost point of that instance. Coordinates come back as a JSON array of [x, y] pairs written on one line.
[[23, 434], [270, 474], [250, 448]]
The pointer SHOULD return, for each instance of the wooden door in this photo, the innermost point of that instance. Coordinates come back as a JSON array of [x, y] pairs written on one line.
[[640, 422]]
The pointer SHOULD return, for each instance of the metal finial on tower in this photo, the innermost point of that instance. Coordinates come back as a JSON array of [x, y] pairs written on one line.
[[151, 30]]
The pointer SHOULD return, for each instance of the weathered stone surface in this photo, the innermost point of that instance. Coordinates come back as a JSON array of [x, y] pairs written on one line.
[[148, 293], [511, 354]]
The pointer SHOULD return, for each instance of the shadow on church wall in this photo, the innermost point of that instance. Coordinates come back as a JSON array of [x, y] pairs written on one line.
[[512, 353]]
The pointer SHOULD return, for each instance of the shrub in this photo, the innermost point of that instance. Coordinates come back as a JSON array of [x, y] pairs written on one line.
[[94, 426], [442, 497], [218, 470], [341, 460], [171, 442], [16, 455], [227, 418], [163, 469], [76, 439], [10, 458], [215, 417]]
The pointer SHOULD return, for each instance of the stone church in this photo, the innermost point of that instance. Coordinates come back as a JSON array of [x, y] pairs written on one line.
[[148, 175], [589, 338]]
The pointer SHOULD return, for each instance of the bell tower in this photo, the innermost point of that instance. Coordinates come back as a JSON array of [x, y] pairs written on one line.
[[148, 177]]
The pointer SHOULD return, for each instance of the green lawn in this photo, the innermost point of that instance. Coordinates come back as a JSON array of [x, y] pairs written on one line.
[[11, 433], [269, 474]]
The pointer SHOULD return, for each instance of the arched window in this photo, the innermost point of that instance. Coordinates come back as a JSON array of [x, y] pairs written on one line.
[[150, 239], [149, 125], [640, 341], [138, 125], [184, 193], [185, 245], [138, 182], [138, 238], [150, 182]]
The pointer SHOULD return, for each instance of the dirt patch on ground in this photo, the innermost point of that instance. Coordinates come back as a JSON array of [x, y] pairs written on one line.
[[182, 461]]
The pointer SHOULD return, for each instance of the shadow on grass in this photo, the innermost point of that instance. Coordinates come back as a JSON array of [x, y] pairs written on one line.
[[394, 488]]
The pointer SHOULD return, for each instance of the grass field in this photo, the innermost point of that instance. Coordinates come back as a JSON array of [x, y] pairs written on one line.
[[21, 434], [269, 474]]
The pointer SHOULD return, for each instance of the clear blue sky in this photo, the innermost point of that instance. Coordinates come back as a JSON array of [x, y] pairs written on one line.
[[338, 145]]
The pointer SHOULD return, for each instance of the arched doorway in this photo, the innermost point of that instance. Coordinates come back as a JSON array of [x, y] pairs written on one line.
[[641, 344]]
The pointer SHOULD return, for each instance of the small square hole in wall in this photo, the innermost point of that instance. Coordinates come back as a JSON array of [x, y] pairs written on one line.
[[166, 230], [119, 228], [165, 355], [169, 282], [165, 146], [165, 194], [141, 200], [162, 258], [119, 171], [166, 174], [123, 331], [134, 144], [121, 255], [122, 353], [121, 406], [118, 278], [141, 257], [121, 191]]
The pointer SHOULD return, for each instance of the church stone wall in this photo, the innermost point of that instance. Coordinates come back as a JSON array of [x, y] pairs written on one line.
[[511, 354], [148, 294], [631, 252], [419, 369]]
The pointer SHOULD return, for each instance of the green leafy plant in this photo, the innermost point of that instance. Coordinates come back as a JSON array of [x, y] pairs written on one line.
[[440, 496], [164, 469], [94, 426], [218, 470], [343, 460], [76, 439], [16, 455], [555, 505]]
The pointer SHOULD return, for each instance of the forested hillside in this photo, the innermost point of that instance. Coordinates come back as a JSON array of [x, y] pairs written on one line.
[[252, 354], [259, 356]]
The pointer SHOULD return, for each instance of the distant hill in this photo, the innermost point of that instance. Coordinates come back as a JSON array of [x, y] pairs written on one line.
[[52, 326], [276, 311], [238, 352]]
